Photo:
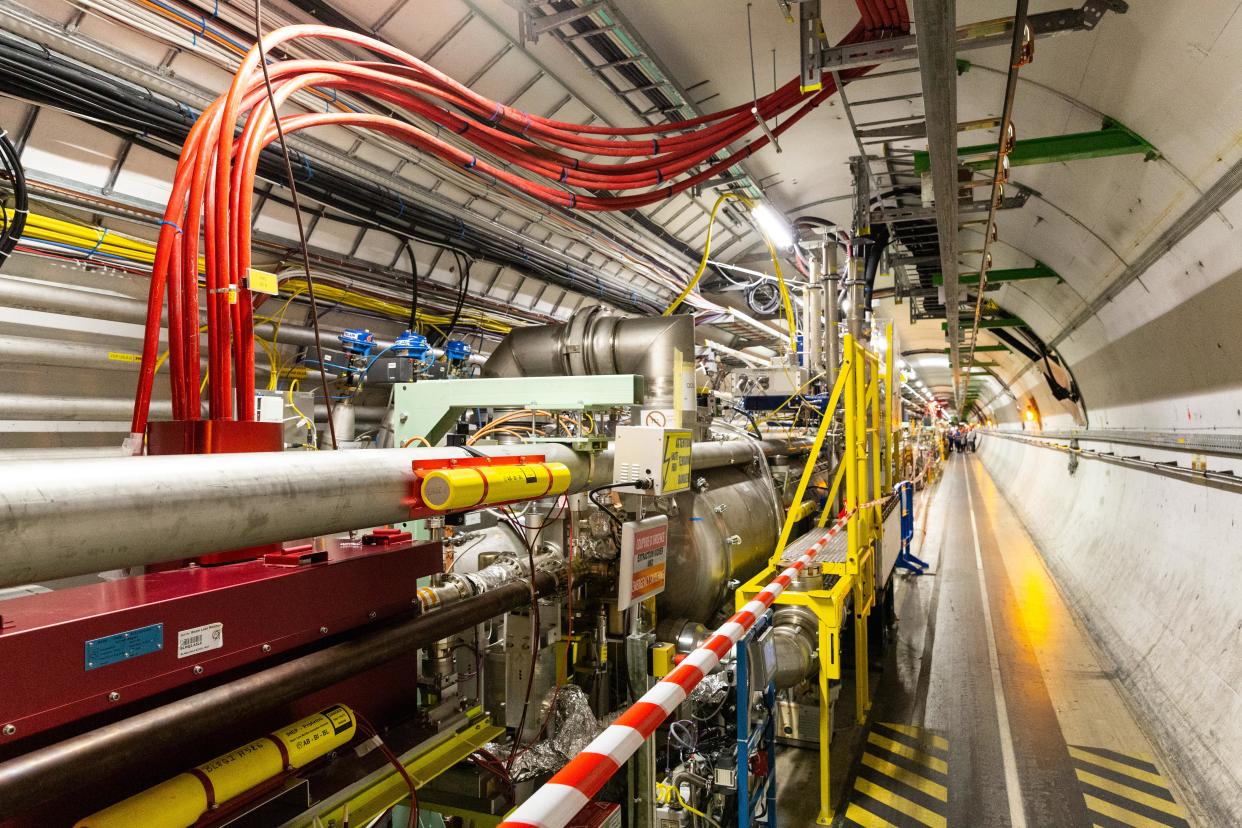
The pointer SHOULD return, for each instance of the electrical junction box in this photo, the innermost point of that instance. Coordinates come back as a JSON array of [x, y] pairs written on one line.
[[644, 559], [761, 654], [660, 455]]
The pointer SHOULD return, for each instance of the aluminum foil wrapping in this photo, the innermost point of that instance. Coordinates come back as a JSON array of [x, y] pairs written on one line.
[[712, 689], [571, 727]]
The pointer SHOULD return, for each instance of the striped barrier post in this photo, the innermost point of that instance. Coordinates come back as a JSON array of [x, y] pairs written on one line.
[[569, 791]]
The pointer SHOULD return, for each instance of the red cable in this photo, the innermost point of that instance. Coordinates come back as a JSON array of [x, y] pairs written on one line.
[[213, 187]]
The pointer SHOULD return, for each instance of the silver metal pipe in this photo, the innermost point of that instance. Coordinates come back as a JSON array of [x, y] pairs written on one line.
[[73, 517], [660, 349], [813, 318], [36, 296], [832, 298], [89, 409]]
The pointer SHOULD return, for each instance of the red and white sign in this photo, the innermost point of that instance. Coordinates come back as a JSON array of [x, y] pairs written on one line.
[[644, 559]]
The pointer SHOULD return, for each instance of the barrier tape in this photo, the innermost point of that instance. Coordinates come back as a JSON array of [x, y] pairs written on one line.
[[564, 795]]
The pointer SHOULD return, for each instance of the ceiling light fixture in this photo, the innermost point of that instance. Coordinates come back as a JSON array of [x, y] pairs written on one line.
[[773, 225]]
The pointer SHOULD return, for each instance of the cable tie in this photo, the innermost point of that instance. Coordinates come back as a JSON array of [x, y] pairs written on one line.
[[172, 224], [498, 113], [526, 125], [670, 193], [564, 174], [655, 147], [573, 201], [659, 176], [306, 165], [473, 160], [465, 125], [215, 10], [98, 242], [400, 205]]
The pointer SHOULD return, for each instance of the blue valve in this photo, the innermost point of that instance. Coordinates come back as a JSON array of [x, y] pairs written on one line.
[[457, 351], [411, 345], [357, 341]]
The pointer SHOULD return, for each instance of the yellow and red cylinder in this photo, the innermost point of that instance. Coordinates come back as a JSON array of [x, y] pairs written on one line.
[[469, 486], [180, 801]]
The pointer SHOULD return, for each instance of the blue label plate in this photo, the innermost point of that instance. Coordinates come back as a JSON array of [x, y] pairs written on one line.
[[122, 646]]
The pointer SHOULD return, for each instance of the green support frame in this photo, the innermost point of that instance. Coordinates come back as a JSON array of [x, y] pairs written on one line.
[[1013, 274], [979, 349], [428, 409], [999, 322], [1113, 139]]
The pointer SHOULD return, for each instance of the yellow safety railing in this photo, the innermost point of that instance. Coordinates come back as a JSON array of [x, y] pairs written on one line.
[[866, 473]]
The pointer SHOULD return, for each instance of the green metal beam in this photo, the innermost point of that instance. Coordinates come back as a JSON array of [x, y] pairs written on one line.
[[1013, 274], [1113, 139], [999, 322], [979, 349]]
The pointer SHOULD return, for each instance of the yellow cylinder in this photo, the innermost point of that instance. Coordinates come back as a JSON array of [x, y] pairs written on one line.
[[468, 486], [180, 801]]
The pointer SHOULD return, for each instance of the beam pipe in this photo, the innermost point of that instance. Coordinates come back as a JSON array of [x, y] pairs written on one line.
[[91, 515]]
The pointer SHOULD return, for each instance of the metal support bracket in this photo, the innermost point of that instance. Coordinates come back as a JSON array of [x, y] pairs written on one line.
[[973, 36]]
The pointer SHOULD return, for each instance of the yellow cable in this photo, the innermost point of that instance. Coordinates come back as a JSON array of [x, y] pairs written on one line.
[[776, 266], [310, 424], [666, 794], [707, 248]]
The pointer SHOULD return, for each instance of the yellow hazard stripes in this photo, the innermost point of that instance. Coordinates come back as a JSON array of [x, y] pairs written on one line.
[[902, 779], [1123, 789]]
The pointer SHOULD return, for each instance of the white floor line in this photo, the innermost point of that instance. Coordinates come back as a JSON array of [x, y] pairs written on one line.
[[1013, 788]]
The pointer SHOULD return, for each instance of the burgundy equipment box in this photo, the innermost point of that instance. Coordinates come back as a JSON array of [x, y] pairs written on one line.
[[76, 652]]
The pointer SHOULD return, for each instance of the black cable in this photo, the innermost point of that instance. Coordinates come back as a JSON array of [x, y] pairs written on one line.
[[297, 213], [409, 251], [21, 198], [751, 417], [463, 287]]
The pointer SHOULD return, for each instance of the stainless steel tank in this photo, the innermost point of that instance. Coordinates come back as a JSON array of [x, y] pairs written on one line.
[[723, 529]]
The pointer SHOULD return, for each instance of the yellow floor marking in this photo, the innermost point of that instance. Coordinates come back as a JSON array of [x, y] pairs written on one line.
[[1143, 798], [914, 732], [908, 752], [900, 803], [1120, 814], [1119, 767], [865, 818], [910, 778]]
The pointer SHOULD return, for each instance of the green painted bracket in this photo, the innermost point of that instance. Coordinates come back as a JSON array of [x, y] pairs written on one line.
[[1115, 138], [1013, 274], [979, 349], [428, 409], [1000, 322]]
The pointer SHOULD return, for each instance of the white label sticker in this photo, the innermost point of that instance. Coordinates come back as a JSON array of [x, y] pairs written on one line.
[[200, 640]]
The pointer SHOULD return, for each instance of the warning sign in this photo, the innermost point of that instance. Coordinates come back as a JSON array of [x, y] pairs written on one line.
[[644, 560]]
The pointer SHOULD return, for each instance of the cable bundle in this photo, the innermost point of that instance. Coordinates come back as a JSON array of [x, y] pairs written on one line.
[[213, 187], [11, 231]]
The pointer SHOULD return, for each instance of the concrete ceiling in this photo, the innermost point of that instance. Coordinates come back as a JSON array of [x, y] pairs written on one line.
[[1168, 75]]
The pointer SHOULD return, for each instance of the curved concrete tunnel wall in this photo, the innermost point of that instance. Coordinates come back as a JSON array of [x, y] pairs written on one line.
[[1147, 560], [1146, 563]]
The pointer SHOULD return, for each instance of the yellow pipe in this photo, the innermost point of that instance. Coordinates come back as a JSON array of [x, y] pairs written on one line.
[[468, 486], [182, 800]]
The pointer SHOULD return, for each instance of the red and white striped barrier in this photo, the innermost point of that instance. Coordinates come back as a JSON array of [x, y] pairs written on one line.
[[568, 792]]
